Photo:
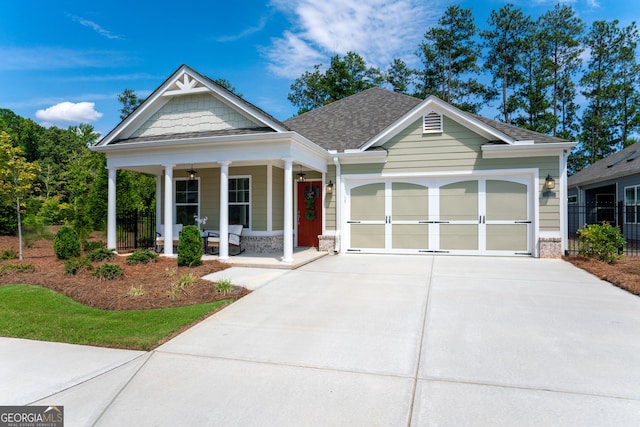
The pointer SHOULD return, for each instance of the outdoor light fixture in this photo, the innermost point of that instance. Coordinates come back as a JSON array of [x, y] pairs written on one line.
[[330, 187], [549, 183], [301, 175], [192, 173]]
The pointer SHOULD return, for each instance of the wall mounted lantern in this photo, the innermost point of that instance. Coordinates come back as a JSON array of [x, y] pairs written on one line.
[[330, 187], [549, 183]]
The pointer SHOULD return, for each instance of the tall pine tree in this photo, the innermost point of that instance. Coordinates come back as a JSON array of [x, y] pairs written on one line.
[[505, 42], [450, 54]]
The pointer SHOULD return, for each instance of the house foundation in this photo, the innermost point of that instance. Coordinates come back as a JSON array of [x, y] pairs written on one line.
[[550, 247]]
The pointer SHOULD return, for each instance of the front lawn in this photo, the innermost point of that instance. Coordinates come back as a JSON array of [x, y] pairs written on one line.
[[37, 313]]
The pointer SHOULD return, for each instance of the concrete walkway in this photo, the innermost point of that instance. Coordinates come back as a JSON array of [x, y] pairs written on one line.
[[365, 340]]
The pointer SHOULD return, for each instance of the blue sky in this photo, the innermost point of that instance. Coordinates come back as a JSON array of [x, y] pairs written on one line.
[[64, 62]]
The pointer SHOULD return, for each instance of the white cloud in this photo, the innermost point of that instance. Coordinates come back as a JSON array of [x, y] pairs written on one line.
[[95, 27], [69, 112], [379, 30], [246, 32]]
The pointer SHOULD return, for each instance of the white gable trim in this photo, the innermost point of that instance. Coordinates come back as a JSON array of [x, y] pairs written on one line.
[[433, 104], [185, 81]]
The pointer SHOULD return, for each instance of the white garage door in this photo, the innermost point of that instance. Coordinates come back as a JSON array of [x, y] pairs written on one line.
[[458, 216]]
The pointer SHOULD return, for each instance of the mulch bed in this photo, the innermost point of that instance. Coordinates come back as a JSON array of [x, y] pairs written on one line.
[[155, 278], [624, 273]]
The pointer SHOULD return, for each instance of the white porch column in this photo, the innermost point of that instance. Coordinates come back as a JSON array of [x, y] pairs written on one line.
[[223, 249], [111, 210], [168, 209], [158, 201], [288, 211]]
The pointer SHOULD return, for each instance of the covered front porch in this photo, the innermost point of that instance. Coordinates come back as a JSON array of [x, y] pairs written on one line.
[[258, 194]]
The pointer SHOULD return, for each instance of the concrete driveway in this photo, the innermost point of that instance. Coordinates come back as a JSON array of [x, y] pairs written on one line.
[[365, 340]]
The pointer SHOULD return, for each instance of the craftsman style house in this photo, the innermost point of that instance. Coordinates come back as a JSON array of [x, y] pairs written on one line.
[[375, 172]]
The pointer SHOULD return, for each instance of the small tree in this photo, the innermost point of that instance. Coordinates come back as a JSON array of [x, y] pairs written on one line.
[[17, 176], [190, 247]]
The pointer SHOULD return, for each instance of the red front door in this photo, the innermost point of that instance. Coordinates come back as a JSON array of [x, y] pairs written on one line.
[[309, 213]]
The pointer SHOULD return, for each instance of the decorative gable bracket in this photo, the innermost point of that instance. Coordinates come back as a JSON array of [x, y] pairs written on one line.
[[432, 122], [185, 85]]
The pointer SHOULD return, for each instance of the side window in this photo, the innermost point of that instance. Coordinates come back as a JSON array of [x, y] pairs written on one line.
[[187, 200], [631, 204], [240, 201]]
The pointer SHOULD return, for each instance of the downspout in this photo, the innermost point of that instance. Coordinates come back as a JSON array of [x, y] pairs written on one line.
[[338, 195]]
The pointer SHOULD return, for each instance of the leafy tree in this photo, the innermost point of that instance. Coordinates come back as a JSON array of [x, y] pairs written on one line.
[[345, 76], [504, 42], [129, 101], [17, 177], [450, 54], [307, 91], [399, 76]]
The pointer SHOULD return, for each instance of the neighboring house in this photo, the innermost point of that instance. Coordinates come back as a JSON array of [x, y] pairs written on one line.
[[375, 172], [608, 190]]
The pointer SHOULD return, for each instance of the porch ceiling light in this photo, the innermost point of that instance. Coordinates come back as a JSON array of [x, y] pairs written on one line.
[[549, 183], [330, 187], [192, 173], [301, 175]]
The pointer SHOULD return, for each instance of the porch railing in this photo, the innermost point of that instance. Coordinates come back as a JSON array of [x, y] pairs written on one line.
[[135, 229], [628, 220]]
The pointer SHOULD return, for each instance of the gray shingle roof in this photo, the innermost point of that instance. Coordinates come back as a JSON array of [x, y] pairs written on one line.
[[517, 133], [352, 121], [622, 163]]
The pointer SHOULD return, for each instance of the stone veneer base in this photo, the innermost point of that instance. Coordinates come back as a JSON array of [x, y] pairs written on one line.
[[263, 244], [550, 247]]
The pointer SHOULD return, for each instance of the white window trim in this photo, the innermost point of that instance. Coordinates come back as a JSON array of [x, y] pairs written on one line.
[[637, 205], [176, 204], [250, 203]]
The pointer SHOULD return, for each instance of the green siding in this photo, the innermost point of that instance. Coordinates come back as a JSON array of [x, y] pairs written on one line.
[[277, 204], [330, 200], [458, 149]]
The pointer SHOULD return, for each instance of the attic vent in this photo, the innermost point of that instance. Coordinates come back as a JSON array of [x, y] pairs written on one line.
[[432, 123], [628, 157]]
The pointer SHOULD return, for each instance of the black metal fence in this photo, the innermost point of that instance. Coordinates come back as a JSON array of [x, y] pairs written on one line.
[[135, 229], [627, 219]]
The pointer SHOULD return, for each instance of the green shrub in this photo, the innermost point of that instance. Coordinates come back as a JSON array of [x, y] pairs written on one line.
[[101, 254], [190, 247], [107, 272], [19, 268], [89, 246], [224, 286], [66, 244], [601, 241], [9, 254], [73, 265], [142, 257]]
